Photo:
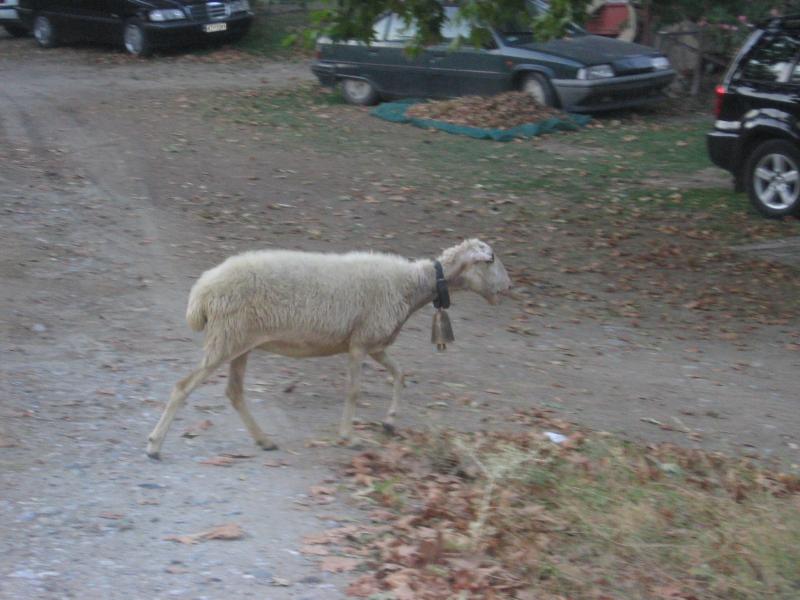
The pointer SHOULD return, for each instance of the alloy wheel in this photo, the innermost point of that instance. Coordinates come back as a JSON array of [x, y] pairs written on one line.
[[134, 39], [43, 31], [359, 90], [775, 181]]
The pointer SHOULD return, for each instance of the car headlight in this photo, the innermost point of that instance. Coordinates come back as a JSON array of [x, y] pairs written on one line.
[[661, 63], [166, 14], [596, 72], [240, 6]]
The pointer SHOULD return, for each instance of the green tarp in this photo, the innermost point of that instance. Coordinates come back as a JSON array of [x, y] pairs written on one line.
[[396, 112]]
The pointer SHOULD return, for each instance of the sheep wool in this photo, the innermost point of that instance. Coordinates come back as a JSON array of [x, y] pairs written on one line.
[[305, 304]]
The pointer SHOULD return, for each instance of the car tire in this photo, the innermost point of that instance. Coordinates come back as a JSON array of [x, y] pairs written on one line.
[[134, 39], [44, 32], [359, 92], [772, 178], [15, 30], [538, 86]]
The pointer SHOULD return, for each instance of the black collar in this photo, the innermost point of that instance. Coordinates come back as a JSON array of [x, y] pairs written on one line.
[[442, 297]]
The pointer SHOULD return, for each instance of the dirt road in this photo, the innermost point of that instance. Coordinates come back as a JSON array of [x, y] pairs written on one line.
[[114, 195]]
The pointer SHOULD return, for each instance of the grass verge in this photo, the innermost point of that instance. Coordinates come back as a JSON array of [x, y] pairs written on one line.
[[644, 162], [267, 36], [505, 515]]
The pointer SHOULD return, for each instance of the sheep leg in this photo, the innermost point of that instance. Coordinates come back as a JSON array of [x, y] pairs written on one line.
[[398, 381], [353, 392], [177, 399], [235, 392]]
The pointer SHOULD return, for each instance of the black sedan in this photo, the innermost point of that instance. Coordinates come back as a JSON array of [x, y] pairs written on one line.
[[579, 73], [139, 25]]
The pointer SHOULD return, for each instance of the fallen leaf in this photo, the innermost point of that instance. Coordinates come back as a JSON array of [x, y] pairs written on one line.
[[195, 430], [228, 531], [218, 461], [314, 550], [7, 442], [364, 587], [176, 570], [323, 494], [339, 564]]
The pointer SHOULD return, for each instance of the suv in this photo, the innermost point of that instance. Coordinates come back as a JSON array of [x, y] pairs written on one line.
[[757, 136], [139, 25]]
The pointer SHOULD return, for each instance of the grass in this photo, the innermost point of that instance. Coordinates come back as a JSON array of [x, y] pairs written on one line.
[[645, 162], [268, 35], [646, 522], [595, 517], [628, 207], [586, 169]]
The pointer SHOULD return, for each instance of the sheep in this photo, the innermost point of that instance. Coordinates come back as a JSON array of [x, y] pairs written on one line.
[[303, 304]]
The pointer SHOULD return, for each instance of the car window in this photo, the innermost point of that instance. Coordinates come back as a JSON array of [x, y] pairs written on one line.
[[379, 28], [454, 26], [770, 61], [399, 30]]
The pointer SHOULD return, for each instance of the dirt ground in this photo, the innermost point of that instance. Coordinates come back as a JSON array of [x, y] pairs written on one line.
[[106, 173]]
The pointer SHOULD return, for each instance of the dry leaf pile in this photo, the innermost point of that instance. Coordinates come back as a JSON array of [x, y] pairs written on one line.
[[502, 111], [515, 515]]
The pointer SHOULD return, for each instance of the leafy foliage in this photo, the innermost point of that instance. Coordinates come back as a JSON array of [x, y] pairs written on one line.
[[353, 19]]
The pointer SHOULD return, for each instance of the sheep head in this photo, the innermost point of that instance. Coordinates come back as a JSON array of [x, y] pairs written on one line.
[[473, 265]]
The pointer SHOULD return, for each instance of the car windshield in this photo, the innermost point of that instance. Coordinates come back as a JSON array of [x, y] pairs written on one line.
[[519, 32]]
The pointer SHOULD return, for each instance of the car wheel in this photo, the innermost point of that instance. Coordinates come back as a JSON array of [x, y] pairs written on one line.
[[539, 87], [359, 91], [134, 38], [15, 30], [772, 178], [44, 32]]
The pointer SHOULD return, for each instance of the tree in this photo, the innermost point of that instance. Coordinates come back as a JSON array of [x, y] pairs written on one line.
[[353, 19]]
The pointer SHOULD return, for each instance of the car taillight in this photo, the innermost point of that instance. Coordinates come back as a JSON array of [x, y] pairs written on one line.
[[318, 54], [719, 95]]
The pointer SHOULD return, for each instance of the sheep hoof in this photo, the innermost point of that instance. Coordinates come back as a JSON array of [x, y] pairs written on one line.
[[267, 444], [154, 455], [389, 428]]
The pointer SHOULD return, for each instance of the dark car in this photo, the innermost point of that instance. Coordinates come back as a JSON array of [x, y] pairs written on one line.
[[139, 25], [10, 20], [756, 136], [580, 73]]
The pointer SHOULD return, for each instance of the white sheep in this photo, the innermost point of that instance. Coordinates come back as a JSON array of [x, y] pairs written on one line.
[[304, 304]]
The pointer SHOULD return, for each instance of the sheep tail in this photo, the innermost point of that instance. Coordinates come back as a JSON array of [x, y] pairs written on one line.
[[196, 312]]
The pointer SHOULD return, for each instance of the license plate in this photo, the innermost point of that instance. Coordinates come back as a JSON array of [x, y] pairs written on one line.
[[211, 28]]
